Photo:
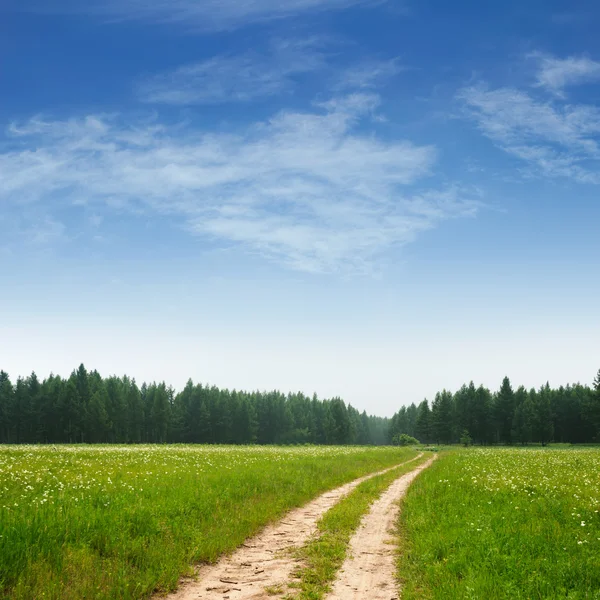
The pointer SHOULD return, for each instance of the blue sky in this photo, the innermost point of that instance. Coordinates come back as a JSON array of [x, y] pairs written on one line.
[[365, 198]]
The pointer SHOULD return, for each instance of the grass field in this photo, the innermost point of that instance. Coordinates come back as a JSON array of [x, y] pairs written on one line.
[[503, 523], [119, 522]]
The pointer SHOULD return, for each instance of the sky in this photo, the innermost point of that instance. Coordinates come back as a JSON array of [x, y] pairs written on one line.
[[360, 198]]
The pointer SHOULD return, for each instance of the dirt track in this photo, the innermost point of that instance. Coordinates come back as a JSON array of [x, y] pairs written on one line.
[[368, 572], [261, 563]]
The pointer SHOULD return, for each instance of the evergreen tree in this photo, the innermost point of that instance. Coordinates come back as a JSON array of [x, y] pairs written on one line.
[[84, 395], [524, 418], [135, 413], [544, 422], [441, 417], [160, 413], [97, 416], [69, 406], [482, 416], [204, 428], [6, 403], [504, 410], [411, 420], [244, 422], [423, 427]]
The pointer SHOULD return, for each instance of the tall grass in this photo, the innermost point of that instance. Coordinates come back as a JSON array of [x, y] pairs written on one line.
[[503, 524], [121, 522]]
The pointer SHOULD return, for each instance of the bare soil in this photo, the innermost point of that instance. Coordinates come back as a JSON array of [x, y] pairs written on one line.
[[261, 568], [368, 573]]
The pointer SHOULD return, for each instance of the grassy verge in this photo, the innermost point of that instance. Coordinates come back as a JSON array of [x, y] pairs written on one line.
[[503, 524], [103, 522], [325, 554]]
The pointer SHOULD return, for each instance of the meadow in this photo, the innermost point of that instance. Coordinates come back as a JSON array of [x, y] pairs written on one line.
[[125, 521], [503, 523]]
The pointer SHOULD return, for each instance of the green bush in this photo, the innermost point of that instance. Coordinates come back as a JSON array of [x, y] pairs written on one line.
[[403, 439]]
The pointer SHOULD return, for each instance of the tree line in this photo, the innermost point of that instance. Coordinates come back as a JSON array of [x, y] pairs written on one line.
[[86, 408], [568, 414]]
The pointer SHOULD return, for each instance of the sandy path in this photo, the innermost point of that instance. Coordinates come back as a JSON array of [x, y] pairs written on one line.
[[369, 569], [261, 562]]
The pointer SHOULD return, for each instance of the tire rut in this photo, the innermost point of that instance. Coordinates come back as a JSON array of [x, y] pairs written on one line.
[[369, 569], [262, 567]]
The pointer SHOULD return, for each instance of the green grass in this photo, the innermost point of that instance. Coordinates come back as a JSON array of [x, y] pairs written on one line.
[[100, 522], [503, 524], [324, 555]]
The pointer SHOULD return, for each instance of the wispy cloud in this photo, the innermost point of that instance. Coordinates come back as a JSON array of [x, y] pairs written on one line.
[[29, 230], [559, 140], [206, 15], [368, 74], [235, 78], [306, 188], [554, 74]]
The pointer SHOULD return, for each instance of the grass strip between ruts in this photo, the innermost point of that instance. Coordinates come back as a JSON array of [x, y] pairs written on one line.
[[325, 553]]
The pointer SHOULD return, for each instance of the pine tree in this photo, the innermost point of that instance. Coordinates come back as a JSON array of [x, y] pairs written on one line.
[[84, 395], [544, 420], [504, 409], [441, 417], [160, 413], [423, 426], [203, 429], [411, 420], [135, 413], [69, 410], [6, 402], [97, 416]]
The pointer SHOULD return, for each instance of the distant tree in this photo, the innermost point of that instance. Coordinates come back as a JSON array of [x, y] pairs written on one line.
[[411, 419], [504, 411], [6, 403], [203, 428], [244, 422], [442, 417], [364, 434], [84, 395], [423, 426], [463, 408], [465, 438], [116, 410], [97, 416], [544, 422], [482, 416], [69, 406], [34, 425], [135, 412], [160, 413]]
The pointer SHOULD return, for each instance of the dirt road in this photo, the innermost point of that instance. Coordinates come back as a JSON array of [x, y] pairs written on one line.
[[368, 572], [261, 568]]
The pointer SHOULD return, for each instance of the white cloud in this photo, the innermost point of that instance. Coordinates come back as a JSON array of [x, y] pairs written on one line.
[[367, 74], [305, 189], [235, 78], [558, 139], [555, 74], [204, 15]]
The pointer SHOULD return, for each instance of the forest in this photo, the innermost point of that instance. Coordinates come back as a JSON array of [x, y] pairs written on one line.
[[568, 414], [86, 408]]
